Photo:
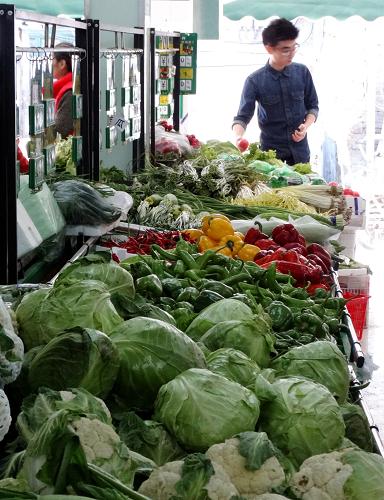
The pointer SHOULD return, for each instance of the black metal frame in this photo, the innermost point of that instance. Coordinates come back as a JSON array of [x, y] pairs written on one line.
[[8, 195], [176, 90]]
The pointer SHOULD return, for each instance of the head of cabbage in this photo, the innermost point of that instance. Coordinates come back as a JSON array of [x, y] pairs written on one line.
[[301, 417], [252, 336], [42, 314], [201, 408], [100, 267], [320, 361], [233, 365], [152, 352], [80, 357]]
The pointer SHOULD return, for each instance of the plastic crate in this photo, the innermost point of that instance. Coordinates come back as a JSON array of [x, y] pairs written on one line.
[[357, 308], [356, 283]]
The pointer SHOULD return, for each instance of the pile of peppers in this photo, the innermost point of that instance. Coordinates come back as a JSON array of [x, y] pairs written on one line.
[[182, 282]]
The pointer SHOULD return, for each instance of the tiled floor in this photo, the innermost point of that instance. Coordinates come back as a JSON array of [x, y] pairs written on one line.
[[373, 340]]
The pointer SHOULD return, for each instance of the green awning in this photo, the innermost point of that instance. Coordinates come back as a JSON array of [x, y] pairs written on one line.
[[72, 8], [313, 9]]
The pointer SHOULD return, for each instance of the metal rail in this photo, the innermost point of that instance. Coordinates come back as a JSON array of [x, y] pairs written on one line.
[[25, 15]]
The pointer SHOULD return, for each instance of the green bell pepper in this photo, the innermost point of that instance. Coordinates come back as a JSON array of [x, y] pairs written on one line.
[[206, 298], [280, 314], [189, 294]]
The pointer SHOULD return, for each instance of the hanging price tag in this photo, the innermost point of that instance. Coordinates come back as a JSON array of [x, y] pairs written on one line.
[[119, 122]]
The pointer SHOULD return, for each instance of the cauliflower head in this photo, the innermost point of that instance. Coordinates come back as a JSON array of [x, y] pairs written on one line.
[[102, 447], [322, 477], [249, 481], [162, 483]]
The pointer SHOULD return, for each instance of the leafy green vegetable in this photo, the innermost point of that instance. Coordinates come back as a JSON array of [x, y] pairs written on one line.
[[152, 352], [11, 348], [234, 365], [357, 426], [37, 408], [320, 361], [196, 472], [302, 418], [98, 267], [149, 438], [256, 448], [251, 336], [43, 314], [79, 357], [201, 408], [222, 310]]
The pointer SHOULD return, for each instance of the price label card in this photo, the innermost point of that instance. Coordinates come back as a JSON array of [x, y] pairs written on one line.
[[49, 112], [110, 137], [36, 119], [49, 158], [77, 106], [110, 99], [118, 121], [36, 172], [77, 148]]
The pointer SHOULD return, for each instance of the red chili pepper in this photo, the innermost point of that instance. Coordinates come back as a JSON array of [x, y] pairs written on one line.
[[315, 273], [301, 240], [291, 256], [317, 249], [266, 244]]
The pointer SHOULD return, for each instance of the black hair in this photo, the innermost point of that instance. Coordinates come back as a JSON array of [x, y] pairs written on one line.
[[64, 56], [279, 30]]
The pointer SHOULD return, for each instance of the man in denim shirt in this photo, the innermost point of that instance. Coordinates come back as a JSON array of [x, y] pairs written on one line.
[[286, 97]]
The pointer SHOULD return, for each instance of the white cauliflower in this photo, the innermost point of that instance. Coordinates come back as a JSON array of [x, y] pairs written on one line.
[[102, 447], [322, 477], [248, 481], [161, 484], [269, 496]]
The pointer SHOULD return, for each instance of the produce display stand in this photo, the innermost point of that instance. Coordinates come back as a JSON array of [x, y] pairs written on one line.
[[8, 66]]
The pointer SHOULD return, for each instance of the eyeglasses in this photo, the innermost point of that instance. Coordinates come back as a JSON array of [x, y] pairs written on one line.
[[287, 51]]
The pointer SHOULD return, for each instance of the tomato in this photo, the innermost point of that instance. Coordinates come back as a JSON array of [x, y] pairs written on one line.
[[242, 144]]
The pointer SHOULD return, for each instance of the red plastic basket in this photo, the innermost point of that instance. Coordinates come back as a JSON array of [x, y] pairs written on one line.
[[357, 308]]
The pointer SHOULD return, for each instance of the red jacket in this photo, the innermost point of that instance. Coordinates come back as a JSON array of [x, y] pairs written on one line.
[[60, 87], [24, 164]]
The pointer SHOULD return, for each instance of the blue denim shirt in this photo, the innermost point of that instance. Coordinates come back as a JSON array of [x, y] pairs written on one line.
[[284, 99]]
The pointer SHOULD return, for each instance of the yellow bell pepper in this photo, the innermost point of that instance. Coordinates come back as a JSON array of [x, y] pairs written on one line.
[[234, 243], [248, 252], [194, 234], [206, 243], [240, 235], [218, 228], [223, 251], [206, 220]]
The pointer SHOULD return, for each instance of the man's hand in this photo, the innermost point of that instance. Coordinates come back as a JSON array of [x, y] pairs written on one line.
[[242, 144], [299, 134]]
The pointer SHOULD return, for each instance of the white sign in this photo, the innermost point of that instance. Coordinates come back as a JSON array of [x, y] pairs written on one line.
[[119, 122]]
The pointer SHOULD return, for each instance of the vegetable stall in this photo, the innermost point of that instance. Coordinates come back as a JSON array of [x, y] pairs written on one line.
[[192, 341]]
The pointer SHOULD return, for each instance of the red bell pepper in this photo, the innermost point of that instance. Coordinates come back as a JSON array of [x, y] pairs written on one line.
[[315, 259], [311, 289], [296, 246], [295, 269], [291, 256], [253, 235], [285, 233], [266, 244], [317, 249]]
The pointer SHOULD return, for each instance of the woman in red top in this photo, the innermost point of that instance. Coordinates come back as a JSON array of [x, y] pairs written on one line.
[[62, 91]]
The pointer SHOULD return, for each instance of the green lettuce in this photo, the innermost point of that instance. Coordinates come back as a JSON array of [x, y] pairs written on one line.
[[152, 352], [79, 357], [201, 408]]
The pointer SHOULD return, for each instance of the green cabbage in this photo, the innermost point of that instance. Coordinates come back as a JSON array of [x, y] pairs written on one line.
[[152, 352], [11, 348], [302, 418], [100, 267], [201, 408], [357, 426], [222, 310], [251, 336], [322, 362], [149, 438], [367, 478], [80, 357], [233, 365], [43, 314]]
